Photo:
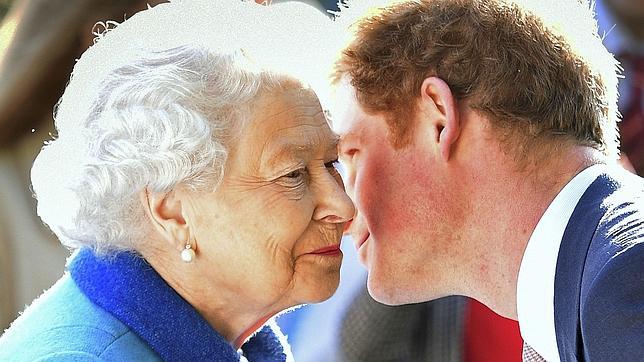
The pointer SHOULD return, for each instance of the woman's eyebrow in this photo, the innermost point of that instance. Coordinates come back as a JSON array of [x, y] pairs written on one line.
[[280, 152], [285, 150]]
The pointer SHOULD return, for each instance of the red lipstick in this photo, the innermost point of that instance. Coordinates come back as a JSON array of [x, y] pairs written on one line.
[[331, 250]]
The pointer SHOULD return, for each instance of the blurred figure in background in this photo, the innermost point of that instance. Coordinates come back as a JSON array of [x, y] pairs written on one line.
[[39, 42], [622, 24]]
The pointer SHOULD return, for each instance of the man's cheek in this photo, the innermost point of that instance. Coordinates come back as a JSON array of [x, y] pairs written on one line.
[[347, 173], [367, 198]]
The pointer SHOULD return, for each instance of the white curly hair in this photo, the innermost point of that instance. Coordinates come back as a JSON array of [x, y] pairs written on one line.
[[156, 102]]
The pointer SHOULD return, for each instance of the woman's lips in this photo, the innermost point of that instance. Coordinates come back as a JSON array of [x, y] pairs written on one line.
[[331, 250]]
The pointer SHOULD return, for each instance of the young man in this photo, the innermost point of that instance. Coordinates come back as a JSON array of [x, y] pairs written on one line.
[[480, 145]]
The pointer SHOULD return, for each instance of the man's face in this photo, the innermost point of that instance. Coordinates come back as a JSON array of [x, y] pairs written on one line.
[[403, 227]]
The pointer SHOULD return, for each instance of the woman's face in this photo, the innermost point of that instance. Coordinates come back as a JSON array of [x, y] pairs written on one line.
[[272, 229]]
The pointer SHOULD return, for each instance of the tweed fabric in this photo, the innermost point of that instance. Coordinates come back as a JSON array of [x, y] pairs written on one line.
[[424, 332], [530, 355]]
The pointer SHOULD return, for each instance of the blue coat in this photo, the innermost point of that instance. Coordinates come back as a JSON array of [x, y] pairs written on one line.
[[121, 310], [599, 279]]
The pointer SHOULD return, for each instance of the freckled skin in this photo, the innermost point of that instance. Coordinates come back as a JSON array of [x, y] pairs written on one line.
[[403, 207], [274, 208]]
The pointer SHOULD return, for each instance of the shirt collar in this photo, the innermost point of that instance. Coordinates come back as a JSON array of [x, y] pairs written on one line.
[[127, 287], [536, 281]]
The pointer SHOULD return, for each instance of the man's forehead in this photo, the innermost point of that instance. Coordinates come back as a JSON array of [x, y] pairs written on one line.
[[345, 108]]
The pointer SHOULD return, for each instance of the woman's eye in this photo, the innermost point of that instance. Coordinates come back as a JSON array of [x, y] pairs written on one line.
[[295, 174]]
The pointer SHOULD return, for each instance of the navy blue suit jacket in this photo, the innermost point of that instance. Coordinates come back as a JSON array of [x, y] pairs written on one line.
[[599, 280]]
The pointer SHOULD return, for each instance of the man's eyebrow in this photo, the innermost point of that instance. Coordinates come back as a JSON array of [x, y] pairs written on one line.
[[335, 142], [347, 137]]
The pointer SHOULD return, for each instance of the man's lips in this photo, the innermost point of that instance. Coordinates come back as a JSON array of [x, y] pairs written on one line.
[[362, 240], [330, 250]]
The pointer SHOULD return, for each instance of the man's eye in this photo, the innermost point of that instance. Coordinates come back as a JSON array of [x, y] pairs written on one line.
[[335, 167], [333, 164]]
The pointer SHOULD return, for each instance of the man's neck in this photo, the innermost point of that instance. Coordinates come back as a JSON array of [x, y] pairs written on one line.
[[516, 202]]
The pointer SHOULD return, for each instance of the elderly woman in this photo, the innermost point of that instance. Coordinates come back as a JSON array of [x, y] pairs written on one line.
[[195, 179]]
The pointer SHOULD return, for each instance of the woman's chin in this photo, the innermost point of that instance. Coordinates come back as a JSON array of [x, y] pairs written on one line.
[[322, 289], [316, 277]]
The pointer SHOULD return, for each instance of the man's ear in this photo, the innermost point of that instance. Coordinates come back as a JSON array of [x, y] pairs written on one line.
[[438, 101], [165, 212]]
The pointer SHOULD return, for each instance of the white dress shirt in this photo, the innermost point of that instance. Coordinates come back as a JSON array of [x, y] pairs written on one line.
[[536, 282]]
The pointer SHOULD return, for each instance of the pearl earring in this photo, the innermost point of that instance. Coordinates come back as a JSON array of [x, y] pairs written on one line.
[[187, 254]]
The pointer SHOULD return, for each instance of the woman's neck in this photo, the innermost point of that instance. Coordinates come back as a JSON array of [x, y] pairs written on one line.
[[239, 341], [221, 307]]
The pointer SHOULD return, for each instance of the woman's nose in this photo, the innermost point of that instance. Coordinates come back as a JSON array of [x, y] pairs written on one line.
[[334, 205]]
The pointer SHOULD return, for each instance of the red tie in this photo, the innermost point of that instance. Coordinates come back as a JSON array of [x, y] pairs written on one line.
[[632, 125], [490, 337]]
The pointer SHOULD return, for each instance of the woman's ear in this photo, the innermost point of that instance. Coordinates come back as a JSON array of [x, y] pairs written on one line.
[[440, 105], [166, 214]]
